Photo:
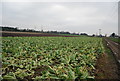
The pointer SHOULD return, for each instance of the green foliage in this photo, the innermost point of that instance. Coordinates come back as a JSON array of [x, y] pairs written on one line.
[[10, 77], [115, 39], [50, 57]]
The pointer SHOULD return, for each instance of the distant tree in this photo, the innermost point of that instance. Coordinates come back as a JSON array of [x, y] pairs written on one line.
[[112, 35], [83, 34], [32, 30], [93, 35]]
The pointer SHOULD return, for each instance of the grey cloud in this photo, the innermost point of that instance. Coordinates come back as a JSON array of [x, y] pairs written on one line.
[[69, 16], [60, 0]]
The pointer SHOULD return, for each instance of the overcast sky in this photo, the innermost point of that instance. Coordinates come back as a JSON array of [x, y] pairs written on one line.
[[77, 16]]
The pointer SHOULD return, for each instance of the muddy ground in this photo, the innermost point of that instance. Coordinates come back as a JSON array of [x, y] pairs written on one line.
[[107, 67], [31, 34]]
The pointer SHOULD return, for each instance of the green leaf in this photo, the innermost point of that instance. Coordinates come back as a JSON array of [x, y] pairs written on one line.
[[21, 66], [91, 77], [84, 75], [1, 78], [37, 78], [9, 78], [51, 69], [71, 74]]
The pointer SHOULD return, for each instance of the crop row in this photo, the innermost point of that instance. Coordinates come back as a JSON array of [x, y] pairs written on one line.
[[50, 57]]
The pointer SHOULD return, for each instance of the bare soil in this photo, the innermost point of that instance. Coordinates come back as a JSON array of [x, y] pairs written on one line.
[[31, 34], [107, 67], [115, 47]]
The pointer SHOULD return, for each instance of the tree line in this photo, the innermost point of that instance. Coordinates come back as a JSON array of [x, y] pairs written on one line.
[[32, 30]]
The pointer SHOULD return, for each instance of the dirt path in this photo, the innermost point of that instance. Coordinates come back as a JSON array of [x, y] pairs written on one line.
[[107, 65], [106, 68], [115, 47]]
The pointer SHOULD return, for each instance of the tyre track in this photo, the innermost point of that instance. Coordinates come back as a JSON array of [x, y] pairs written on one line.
[[115, 47]]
